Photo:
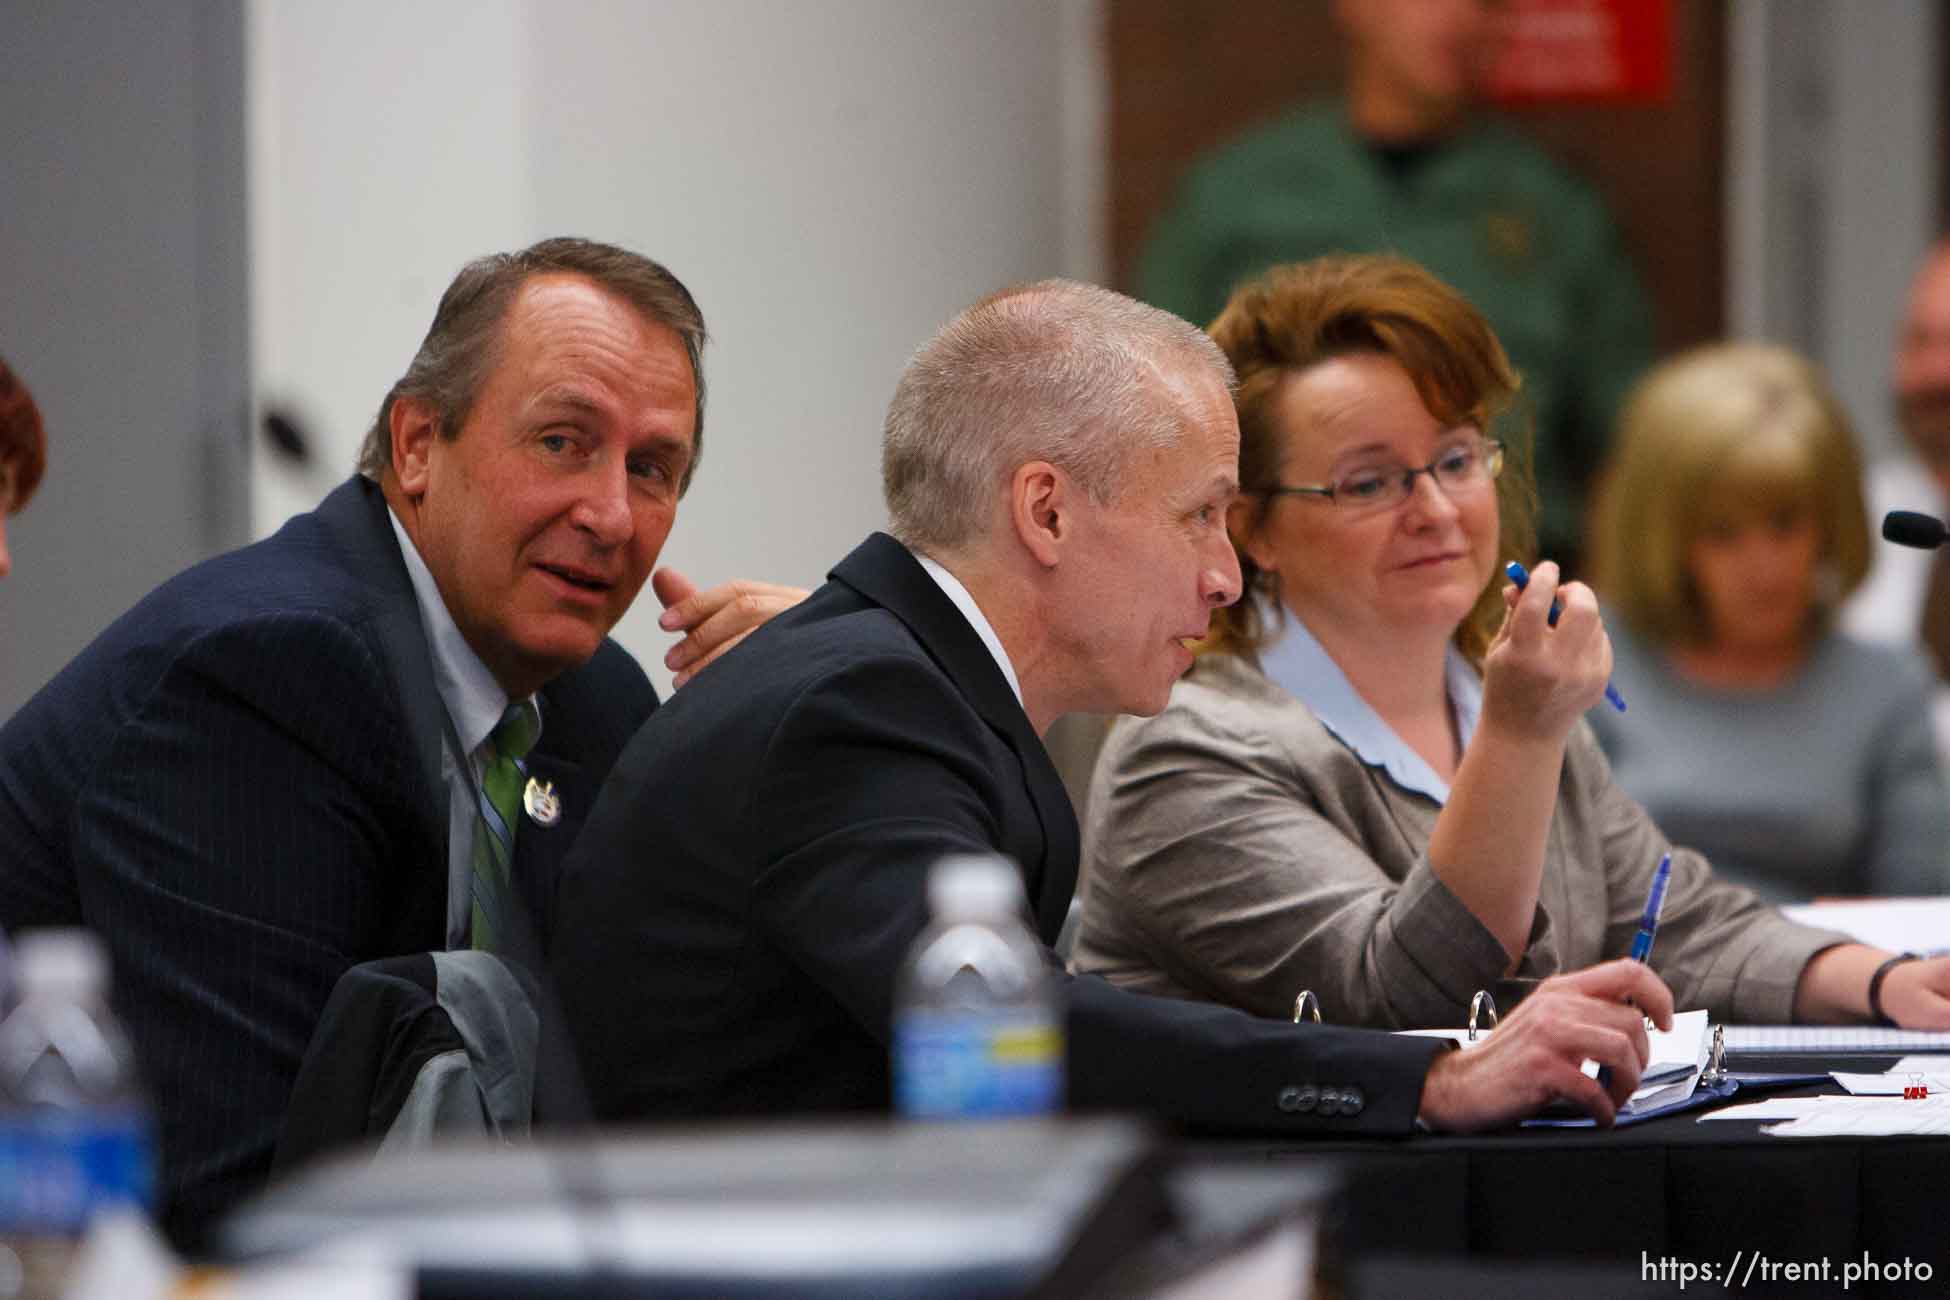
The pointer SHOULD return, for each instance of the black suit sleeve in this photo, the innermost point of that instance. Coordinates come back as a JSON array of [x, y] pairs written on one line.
[[1221, 1069], [881, 769], [239, 847]]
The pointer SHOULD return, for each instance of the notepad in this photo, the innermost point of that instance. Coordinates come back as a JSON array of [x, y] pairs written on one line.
[[1832, 1040]]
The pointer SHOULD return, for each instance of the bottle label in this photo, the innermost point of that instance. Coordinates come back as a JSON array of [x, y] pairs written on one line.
[[973, 1063], [58, 1169]]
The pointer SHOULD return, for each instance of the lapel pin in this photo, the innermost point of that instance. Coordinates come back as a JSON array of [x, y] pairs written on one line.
[[543, 805]]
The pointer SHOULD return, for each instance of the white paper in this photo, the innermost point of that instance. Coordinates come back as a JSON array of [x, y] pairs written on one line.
[[1869, 1117], [1893, 1083], [1678, 1056], [1656, 1096], [1922, 1065], [1897, 924], [1768, 1108]]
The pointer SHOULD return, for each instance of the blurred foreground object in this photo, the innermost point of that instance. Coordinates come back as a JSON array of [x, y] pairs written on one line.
[[76, 1138], [1024, 1208]]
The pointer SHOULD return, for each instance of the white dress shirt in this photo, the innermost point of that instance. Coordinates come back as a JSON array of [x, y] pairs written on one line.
[[475, 703], [951, 586], [1296, 662]]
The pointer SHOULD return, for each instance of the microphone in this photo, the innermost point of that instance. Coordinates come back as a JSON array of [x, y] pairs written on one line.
[[1907, 528]]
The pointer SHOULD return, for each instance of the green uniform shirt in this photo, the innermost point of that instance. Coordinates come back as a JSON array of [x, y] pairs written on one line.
[[1522, 238]]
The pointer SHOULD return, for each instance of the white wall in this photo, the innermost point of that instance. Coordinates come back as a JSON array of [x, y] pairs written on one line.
[[835, 178], [387, 146], [832, 181], [122, 290], [1882, 170], [1832, 183]]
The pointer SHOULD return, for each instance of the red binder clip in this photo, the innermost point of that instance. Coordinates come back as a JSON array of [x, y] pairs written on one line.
[[1916, 1089]]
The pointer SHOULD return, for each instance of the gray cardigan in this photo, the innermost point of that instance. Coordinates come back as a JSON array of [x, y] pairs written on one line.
[[1237, 852]]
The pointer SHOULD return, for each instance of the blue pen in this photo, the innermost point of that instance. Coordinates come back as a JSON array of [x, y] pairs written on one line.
[[1521, 576], [1649, 923], [1648, 931]]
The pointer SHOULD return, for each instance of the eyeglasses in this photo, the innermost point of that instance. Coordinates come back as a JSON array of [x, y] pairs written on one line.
[[1460, 469]]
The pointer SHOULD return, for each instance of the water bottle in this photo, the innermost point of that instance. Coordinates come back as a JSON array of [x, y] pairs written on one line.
[[75, 1135], [978, 1009]]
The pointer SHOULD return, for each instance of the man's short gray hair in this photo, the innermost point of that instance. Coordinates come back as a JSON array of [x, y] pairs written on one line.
[[1060, 371], [463, 343]]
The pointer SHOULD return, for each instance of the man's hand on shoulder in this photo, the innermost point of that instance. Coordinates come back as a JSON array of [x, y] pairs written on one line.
[[714, 620], [1536, 1056]]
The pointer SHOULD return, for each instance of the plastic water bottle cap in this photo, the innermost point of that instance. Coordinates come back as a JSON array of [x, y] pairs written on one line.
[[65, 964], [975, 885]]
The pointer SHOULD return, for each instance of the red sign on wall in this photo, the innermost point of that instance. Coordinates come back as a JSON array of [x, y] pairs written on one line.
[[1584, 51]]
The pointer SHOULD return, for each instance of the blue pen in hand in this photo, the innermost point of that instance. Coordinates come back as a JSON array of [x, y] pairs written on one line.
[[1648, 931], [1521, 576], [1649, 923]]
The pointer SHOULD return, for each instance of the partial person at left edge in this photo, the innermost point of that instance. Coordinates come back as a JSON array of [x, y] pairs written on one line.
[[23, 453], [277, 765]]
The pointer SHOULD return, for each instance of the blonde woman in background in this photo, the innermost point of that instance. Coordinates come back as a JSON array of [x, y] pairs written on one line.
[[1800, 761]]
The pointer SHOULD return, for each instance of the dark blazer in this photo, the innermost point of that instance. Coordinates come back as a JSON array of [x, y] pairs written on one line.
[[733, 915], [238, 786]]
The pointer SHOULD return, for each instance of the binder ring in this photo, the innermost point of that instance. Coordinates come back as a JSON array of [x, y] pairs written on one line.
[[1304, 1003], [1481, 1004], [1715, 1072]]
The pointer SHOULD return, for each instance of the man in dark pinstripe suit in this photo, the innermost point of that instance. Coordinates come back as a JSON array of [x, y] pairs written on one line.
[[264, 773]]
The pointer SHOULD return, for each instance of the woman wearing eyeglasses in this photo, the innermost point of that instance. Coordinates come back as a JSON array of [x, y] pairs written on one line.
[[1375, 782]]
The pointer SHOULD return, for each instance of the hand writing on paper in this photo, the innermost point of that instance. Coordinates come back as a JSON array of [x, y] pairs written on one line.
[[716, 620], [1537, 1054]]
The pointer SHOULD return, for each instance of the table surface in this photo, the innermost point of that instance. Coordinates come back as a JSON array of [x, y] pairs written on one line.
[[1669, 1188]]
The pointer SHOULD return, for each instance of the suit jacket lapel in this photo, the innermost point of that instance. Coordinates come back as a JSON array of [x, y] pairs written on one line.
[[356, 517], [883, 570]]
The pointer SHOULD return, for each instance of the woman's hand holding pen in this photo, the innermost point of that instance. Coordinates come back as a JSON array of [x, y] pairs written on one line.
[[1537, 1055], [1489, 841], [1539, 678], [1490, 838]]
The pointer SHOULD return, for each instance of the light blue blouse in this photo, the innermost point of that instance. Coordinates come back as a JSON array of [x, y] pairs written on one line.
[[1296, 661]]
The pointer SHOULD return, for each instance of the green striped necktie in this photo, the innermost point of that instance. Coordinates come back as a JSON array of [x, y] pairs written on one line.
[[497, 800]]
